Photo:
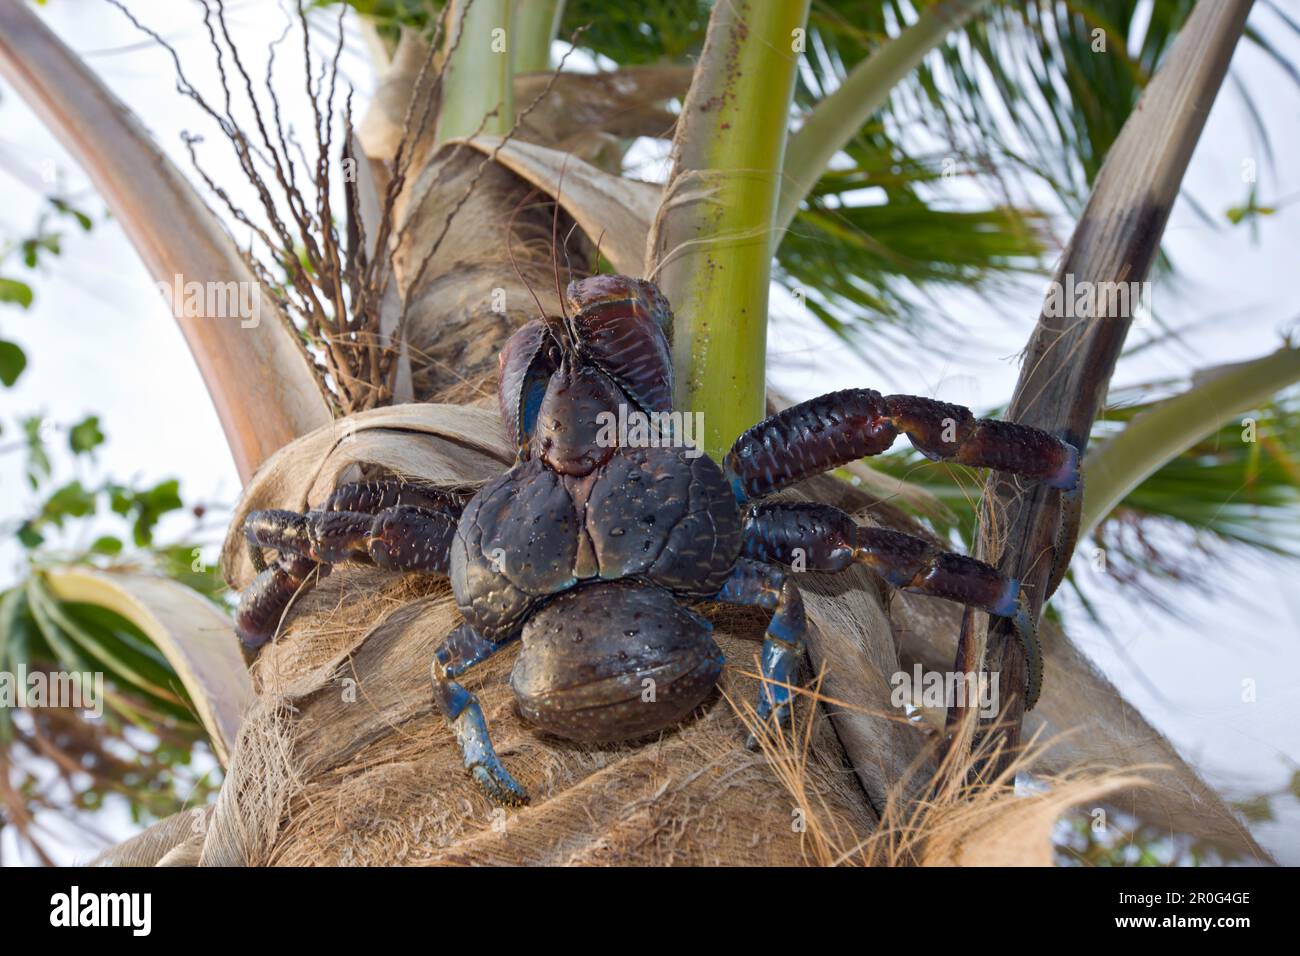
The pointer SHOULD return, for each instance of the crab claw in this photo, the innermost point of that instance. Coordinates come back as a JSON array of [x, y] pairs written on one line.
[[770, 717], [499, 785], [481, 759]]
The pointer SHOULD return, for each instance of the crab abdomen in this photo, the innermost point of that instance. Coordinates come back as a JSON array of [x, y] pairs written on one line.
[[614, 661]]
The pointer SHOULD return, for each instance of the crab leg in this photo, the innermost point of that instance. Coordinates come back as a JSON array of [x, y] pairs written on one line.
[[401, 538], [817, 537], [1067, 536], [263, 602], [760, 585], [462, 649], [841, 427], [372, 497], [289, 530], [401, 526]]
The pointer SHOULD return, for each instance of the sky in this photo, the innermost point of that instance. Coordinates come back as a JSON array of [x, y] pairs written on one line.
[[100, 340]]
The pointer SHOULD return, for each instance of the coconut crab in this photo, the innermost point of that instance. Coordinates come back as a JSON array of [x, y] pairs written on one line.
[[591, 549]]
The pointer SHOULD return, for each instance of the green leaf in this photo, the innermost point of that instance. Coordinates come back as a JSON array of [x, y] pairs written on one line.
[[19, 293], [85, 436], [640, 32], [29, 536], [120, 499], [32, 247], [107, 544], [38, 462], [1238, 214], [69, 501], [164, 496], [83, 220], [153, 504], [12, 362]]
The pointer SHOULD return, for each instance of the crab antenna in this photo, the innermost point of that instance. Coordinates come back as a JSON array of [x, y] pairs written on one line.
[[567, 236], [510, 249], [555, 226], [599, 239], [567, 334]]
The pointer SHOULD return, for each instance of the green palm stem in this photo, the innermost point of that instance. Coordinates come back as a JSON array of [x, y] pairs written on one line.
[[835, 120], [1157, 436], [535, 26], [477, 92], [710, 246]]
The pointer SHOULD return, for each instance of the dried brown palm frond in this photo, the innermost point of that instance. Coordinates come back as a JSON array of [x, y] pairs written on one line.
[[958, 812]]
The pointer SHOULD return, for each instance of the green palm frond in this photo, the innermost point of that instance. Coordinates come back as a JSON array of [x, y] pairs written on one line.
[[1236, 490], [1239, 485], [1028, 96], [140, 749], [1061, 98], [43, 631], [654, 32], [872, 246]]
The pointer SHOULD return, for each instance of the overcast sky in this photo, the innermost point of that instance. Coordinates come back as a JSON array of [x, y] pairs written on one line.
[[100, 340]]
